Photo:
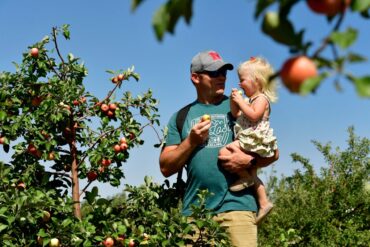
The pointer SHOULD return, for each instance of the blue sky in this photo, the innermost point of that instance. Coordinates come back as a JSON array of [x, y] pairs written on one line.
[[107, 35]]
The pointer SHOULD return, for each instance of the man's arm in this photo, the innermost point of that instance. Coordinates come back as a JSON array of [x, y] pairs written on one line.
[[237, 160], [174, 157]]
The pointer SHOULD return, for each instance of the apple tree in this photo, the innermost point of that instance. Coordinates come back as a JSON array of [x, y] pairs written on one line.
[[325, 57], [57, 134], [52, 121]]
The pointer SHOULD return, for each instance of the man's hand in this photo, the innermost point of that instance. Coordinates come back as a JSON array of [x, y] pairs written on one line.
[[199, 133], [236, 161]]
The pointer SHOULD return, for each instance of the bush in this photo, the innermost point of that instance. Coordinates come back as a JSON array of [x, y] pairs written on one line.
[[326, 209]]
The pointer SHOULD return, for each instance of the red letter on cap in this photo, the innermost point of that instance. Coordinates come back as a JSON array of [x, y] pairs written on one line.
[[214, 55]]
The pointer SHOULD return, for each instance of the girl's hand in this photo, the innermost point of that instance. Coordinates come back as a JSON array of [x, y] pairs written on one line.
[[236, 96]]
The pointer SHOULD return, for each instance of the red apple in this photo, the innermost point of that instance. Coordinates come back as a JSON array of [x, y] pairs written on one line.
[[21, 186], [296, 70], [131, 243], [106, 162], [123, 140], [328, 7], [2, 139], [36, 101], [34, 52], [112, 107], [92, 175], [132, 136], [121, 77], [76, 102], [123, 146], [83, 100], [110, 113], [31, 148], [117, 148], [108, 242], [104, 107], [115, 79]]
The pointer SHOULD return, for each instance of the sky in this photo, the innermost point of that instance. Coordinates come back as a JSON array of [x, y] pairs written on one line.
[[108, 35]]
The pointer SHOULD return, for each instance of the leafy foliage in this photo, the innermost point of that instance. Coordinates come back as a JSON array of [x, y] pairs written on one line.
[[57, 134], [278, 25], [48, 115], [326, 209]]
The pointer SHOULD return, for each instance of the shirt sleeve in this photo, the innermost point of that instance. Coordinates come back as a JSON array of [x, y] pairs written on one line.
[[173, 136]]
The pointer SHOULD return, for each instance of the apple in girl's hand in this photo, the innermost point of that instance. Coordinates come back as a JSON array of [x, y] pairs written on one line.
[[206, 117]]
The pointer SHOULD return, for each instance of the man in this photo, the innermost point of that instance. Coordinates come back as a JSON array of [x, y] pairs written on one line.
[[199, 151]]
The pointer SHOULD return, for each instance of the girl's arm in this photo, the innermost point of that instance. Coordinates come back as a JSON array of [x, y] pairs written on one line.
[[256, 110], [234, 107]]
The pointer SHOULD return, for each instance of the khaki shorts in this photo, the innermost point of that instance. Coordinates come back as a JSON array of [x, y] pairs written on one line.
[[241, 226]]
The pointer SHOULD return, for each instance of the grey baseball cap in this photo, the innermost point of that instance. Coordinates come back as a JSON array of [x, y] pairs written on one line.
[[208, 61]]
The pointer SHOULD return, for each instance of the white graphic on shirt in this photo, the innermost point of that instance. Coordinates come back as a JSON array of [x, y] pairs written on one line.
[[219, 131]]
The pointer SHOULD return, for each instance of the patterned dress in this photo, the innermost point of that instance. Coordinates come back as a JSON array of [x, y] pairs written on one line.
[[256, 137]]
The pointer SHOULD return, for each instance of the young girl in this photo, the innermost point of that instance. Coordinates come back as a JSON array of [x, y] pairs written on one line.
[[252, 129]]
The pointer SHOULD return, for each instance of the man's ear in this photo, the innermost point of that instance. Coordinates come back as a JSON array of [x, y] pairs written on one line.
[[194, 78]]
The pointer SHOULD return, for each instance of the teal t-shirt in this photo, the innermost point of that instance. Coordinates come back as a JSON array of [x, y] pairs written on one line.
[[204, 171]]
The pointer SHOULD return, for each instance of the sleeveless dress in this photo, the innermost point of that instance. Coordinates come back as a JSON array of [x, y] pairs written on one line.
[[256, 137]]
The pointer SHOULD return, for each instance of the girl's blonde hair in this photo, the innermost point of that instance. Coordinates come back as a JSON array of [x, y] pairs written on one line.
[[260, 70]]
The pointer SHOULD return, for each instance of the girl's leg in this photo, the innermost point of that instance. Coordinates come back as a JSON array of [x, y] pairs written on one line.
[[265, 205]]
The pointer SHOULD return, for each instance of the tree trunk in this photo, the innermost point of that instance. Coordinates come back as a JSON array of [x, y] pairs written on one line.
[[75, 182]]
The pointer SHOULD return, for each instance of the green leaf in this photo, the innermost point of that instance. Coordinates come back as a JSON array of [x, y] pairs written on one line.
[[3, 116], [261, 6], [135, 4], [344, 39], [280, 29], [168, 14], [66, 32], [362, 85], [6, 148], [3, 227], [311, 84], [160, 22], [90, 196], [355, 58], [360, 5]]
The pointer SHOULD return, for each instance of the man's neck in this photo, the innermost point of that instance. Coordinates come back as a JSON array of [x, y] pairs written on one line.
[[211, 101]]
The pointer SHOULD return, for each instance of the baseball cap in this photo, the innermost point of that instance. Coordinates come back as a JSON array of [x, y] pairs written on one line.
[[208, 61]]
